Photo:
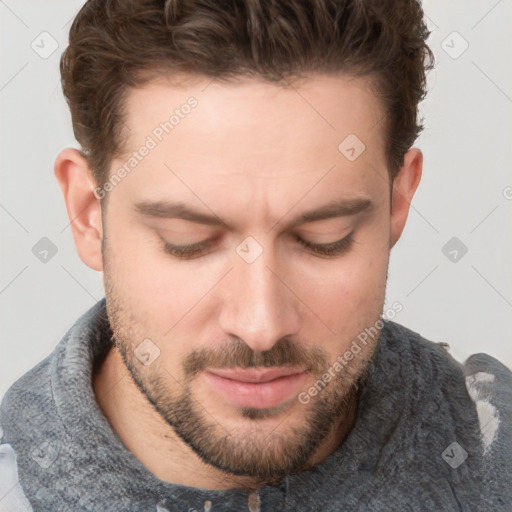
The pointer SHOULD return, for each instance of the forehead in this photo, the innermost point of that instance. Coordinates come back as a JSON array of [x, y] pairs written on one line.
[[249, 132], [322, 103]]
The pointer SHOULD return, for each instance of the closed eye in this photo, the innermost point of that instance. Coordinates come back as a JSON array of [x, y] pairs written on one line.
[[198, 249], [187, 251], [331, 249]]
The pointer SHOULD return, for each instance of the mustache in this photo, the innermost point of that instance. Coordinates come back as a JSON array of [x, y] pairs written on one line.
[[238, 354]]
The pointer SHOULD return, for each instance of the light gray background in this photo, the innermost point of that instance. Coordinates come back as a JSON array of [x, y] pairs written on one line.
[[466, 190]]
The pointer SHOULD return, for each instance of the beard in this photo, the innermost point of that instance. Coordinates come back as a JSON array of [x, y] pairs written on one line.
[[265, 456]]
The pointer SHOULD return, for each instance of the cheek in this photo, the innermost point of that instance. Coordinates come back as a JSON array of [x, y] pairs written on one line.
[[347, 294], [160, 291], [141, 275]]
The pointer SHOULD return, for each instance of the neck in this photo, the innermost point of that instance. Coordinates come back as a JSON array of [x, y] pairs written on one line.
[[147, 435]]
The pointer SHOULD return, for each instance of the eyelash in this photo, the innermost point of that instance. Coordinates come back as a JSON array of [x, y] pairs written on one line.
[[329, 250], [185, 251]]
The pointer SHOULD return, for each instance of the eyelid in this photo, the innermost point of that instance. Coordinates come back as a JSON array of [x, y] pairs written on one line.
[[330, 249], [196, 249], [187, 251]]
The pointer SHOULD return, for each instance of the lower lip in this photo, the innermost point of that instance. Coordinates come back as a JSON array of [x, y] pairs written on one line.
[[257, 394]]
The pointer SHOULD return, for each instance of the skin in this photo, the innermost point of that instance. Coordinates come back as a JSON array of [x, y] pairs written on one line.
[[255, 155]]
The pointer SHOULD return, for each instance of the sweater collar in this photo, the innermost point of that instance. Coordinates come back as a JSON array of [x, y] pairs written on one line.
[[88, 340]]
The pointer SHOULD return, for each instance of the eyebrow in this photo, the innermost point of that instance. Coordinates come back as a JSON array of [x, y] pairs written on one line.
[[177, 210]]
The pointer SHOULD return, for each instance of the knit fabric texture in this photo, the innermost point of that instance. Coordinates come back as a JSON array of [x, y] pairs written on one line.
[[431, 434]]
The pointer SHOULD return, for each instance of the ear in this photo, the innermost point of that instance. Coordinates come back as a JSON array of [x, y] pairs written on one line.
[[404, 186], [84, 209]]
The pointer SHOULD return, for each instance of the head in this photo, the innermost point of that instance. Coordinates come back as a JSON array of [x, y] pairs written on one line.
[[244, 172]]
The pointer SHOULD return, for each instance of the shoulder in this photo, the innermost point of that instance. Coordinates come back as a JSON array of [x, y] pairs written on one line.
[[428, 363], [28, 412], [26, 405], [432, 353], [28, 398], [489, 384], [486, 383]]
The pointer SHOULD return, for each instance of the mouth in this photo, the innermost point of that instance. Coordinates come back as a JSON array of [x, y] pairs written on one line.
[[256, 387]]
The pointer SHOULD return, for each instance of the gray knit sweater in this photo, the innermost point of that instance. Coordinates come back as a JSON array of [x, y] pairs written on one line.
[[430, 434]]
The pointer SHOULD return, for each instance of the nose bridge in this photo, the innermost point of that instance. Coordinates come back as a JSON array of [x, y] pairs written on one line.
[[259, 308]]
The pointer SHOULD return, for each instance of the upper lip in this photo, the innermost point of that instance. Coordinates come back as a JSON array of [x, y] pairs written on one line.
[[255, 374]]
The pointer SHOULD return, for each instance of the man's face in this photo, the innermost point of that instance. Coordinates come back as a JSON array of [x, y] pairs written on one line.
[[254, 158]]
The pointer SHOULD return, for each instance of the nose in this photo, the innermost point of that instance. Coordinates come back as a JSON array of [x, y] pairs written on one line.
[[259, 305]]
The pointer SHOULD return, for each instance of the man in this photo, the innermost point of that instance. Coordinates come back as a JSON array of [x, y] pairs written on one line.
[[245, 170]]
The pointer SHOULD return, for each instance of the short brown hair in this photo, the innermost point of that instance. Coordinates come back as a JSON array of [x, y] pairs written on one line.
[[115, 45]]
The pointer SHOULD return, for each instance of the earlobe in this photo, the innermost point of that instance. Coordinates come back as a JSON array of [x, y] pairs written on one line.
[[404, 187], [84, 209]]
